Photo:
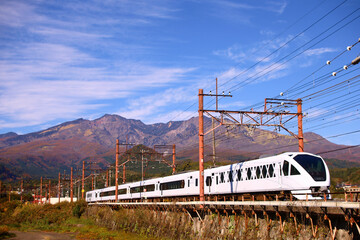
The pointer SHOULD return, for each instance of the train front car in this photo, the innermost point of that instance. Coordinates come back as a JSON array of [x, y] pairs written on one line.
[[306, 175]]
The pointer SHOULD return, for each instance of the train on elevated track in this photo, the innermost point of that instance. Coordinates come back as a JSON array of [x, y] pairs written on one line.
[[304, 175]]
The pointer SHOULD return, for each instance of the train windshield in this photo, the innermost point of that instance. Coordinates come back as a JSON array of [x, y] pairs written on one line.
[[313, 165]]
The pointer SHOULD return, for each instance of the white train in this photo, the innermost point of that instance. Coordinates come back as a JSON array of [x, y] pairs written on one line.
[[305, 175]]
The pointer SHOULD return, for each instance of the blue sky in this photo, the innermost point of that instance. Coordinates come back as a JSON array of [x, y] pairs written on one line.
[[63, 60]]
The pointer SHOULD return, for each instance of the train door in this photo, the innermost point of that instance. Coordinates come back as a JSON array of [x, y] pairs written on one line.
[[97, 196], [215, 182], [160, 190], [279, 174], [285, 170], [208, 183]]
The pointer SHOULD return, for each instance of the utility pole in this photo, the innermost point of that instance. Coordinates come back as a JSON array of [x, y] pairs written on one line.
[[142, 165], [49, 191], [78, 189], [59, 188], [71, 185], [41, 190], [116, 170], [124, 165], [126, 144], [83, 181], [201, 145], [107, 178], [173, 158], [10, 193], [21, 190], [213, 140], [46, 193], [63, 188], [124, 174], [92, 181], [300, 127]]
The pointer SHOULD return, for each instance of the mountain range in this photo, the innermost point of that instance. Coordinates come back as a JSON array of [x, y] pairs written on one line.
[[57, 148]]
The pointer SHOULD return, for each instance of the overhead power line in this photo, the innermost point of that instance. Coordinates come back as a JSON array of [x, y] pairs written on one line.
[[339, 149]]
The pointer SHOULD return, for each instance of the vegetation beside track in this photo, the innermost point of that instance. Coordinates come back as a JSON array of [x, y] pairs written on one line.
[[62, 217], [93, 222]]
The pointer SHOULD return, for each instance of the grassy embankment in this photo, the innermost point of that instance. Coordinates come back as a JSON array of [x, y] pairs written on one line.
[[63, 218], [89, 222]]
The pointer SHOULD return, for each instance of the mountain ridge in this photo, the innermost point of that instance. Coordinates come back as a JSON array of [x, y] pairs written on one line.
[[69, 143]]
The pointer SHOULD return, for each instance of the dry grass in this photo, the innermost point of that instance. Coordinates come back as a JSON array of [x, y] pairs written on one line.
[[105, 223], [178, 225]]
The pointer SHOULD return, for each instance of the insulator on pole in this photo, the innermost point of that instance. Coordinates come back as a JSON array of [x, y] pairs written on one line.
[[345, 67], [334, 74], [349, 48], [328, 62]]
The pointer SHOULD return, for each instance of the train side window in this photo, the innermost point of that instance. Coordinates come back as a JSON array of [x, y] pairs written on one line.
[[271, 171], [172, 185], [189, 183], [196, 182], [230, 176], [267, 171], [294, 171], [248, 174], [264, 171], [286, 168], [222, 178], [149, 188], [208, 181], [238, 174], [257, 172], [217, 179]]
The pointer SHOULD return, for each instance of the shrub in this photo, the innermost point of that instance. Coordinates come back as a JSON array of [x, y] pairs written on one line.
[[79, 208]]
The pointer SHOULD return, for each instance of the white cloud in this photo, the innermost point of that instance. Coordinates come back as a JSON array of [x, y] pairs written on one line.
[[271, 6], [262, 51], [150, 108], [240, 77], [231, 73], [268, 72], [318, 51], [42, 82], [233, 53], [315, 112], [66, 34], [17, 14]]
